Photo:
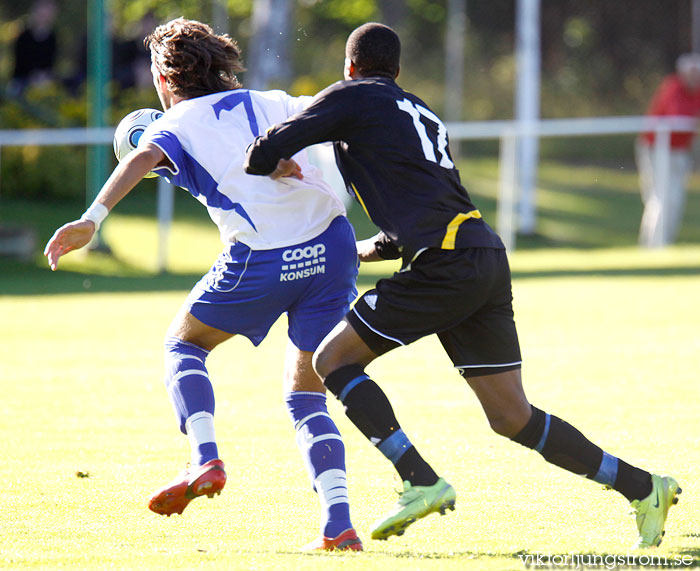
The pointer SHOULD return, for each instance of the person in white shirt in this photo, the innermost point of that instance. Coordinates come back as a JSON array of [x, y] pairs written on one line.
[[288, 248]]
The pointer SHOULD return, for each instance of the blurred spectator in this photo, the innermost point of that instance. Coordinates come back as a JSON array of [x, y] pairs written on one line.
[[678, 95], [35, 48], [131, 61]]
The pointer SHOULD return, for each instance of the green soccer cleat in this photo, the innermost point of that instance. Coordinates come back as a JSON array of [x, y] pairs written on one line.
[[414, 503], [651, 512]]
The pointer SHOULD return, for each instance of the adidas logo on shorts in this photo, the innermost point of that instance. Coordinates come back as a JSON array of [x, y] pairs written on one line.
[[371, 301]]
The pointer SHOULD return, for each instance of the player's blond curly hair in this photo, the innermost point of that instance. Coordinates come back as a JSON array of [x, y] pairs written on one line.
[[193, 59]]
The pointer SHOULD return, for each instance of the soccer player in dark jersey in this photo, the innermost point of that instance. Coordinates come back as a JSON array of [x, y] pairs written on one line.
[[455, 282]]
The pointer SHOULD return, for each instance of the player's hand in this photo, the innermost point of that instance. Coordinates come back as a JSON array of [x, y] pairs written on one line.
[[67, 238], [367, 251], [287, 168]]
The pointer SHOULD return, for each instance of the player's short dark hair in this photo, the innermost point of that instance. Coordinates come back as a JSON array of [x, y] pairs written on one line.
[[193, 59], [375, 49]]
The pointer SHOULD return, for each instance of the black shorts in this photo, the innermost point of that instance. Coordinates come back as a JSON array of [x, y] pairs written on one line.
[[464, 296]]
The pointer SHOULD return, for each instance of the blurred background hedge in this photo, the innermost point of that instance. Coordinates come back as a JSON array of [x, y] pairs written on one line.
[[598, 58]]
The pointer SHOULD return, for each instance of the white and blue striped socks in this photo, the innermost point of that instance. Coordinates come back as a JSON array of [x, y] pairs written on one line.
[[324, 454], [192, 396]]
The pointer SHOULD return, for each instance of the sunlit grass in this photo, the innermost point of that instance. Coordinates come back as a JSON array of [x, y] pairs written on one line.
[[84, 393], [609, 340]]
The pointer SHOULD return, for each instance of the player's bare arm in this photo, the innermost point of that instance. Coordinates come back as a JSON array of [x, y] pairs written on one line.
[[124, 178]]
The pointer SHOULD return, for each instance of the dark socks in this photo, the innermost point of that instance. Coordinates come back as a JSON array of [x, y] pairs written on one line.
[[563, 445], [370, 411]]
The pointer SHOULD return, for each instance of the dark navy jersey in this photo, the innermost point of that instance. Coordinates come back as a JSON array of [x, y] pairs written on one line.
[[393, 153]]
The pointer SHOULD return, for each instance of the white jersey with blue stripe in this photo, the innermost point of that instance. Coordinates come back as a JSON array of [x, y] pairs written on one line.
[[205, 140]]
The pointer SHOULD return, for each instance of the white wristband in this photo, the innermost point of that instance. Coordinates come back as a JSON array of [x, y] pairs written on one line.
[[96, 214]]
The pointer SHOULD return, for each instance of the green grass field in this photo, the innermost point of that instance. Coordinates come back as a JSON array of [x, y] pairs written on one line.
[[610, 343]]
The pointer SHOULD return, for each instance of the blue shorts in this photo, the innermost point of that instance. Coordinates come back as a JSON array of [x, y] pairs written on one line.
[[313, 282]]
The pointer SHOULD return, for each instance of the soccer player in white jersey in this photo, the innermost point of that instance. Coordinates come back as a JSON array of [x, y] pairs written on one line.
[[287, 248]]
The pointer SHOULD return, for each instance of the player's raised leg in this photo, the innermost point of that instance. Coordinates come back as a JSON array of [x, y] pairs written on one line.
[[322, 449], [510, 414], [186, 378], [340, 361]]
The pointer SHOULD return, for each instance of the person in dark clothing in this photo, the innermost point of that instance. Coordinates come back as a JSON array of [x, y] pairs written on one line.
[[393, 153], [35, 49]]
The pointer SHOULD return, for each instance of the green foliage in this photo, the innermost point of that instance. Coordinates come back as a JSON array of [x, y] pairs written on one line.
[[599, 58], [434, 12], [55, 172], [43, 172], [581, 205], [134, 10], [351, 13]]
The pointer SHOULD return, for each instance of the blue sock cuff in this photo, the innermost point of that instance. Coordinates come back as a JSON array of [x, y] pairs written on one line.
[[545, 434], [341, 381], [351, 385], [187, 380], [302, 404], [303, 397], [607, 473], [179, 347], [395, 446], [207, 451]]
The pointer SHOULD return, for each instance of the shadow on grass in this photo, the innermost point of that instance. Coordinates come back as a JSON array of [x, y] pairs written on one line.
[[576, 215], [27, 279], [610, 272], [20, 279]]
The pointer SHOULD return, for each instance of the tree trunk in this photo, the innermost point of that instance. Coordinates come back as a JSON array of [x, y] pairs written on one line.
[[393, 13], [268, 53], [695, 26]]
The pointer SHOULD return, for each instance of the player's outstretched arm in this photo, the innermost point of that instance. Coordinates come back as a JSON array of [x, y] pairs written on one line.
[[323, 121], [67, 238], [77, 234]]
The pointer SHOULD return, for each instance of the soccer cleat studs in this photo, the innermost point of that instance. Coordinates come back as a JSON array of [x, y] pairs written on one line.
[[651, 512], [415, 502], [346, 541], [208, 479]]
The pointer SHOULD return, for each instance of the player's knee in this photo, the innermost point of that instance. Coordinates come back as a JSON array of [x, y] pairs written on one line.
[[329, 358], [176, 352], [505, 424], [171, 345], [322, 362]]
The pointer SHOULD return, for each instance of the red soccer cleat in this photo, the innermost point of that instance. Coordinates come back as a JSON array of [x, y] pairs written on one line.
[[208, 479], [347, 540]]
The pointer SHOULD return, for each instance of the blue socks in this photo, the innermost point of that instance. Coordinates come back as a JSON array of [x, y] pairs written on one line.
[[192, 396], [324, 454]]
